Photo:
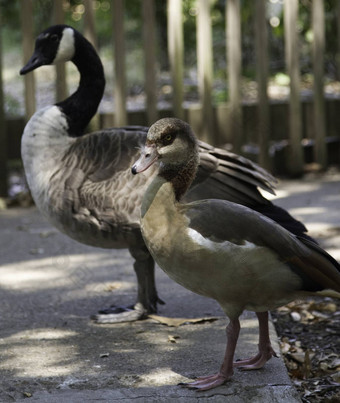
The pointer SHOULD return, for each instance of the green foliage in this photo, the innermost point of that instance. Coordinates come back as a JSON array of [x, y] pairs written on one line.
[[74, 16]]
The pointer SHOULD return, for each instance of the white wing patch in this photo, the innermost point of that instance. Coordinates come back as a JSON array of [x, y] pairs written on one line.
[[199, 239]]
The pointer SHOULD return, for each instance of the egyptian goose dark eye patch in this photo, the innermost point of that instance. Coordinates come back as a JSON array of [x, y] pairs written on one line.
[[168, 138]]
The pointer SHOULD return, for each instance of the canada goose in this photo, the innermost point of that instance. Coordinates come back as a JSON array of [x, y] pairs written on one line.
[[223, 250], [82, 182]]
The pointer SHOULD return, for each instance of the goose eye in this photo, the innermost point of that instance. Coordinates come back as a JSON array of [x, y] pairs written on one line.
[[168, 138], [54, 38]]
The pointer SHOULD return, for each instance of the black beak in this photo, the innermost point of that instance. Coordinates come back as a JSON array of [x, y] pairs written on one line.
[[34, 62]]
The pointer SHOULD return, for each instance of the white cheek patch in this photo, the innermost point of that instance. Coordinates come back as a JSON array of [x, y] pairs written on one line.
[[66, 46]]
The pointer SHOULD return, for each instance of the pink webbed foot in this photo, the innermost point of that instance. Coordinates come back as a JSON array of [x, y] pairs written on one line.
[[212, 381], [266, 351], [206, 382], [256, 362]]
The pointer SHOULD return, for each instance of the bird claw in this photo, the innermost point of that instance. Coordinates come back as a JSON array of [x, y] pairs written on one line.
[[116, 309], [120, 314], [256, 362], [131, 313]]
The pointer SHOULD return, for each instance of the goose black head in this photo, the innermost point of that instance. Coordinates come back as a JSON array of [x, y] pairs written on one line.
[[55, 44]]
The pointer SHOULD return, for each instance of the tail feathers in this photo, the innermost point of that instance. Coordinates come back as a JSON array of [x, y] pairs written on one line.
[[318, 267]]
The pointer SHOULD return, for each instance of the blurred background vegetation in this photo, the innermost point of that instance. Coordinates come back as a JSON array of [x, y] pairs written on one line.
[[277, 86], [74, 15]]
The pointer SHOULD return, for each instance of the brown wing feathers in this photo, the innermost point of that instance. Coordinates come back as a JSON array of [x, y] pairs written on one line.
[[239, 163], [233, 174]]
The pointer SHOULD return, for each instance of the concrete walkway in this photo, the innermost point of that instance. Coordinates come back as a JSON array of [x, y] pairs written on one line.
[[50, 351]]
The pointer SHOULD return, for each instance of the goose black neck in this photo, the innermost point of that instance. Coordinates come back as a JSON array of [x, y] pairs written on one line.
[[81, 106]]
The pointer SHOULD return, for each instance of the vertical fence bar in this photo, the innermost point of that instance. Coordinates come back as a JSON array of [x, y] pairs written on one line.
[[175, 49], [205, 70], [61, 86], [318, 23], [261, 49], [233, 30], [27, 45], [119, 63], [89, 27], [149, 42], [3, 132], [295, 157], [337, 16]]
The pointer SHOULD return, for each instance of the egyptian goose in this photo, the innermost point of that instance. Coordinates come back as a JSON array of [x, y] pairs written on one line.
[[82, 182], [223, 250]]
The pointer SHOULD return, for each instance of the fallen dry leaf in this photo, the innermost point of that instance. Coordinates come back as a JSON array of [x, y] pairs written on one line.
[[172, 339], [175, 322], [27, 394], [112, 286], [325, 306], [309, 341], [301, 357], [334, 364]]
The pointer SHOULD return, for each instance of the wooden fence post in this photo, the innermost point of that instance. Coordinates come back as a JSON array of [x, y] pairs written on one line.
[[149, 41], [294, 160], [261, 50], [205, 71], [234, 61], [89, 26], [175, 50], [119, 63], [61, 86], [3, 132], [27, 45], [337, 17], [318, 23]]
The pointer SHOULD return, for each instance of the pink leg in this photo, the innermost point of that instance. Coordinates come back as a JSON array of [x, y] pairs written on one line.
[[226, 370], [266, 351]]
